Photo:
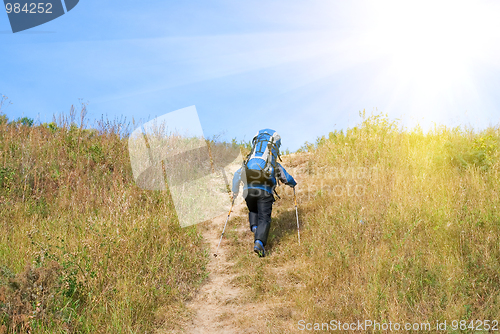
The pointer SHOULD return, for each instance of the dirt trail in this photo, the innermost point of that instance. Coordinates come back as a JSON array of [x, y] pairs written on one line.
[[221, 306], [219, 302]]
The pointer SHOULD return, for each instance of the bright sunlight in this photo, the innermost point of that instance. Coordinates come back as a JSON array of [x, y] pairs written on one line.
[[433, 48]]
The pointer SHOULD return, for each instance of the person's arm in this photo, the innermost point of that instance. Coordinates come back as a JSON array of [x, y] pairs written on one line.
[[285, 177]]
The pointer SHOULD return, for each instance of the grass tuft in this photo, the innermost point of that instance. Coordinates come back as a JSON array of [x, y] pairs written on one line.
[[396, 225], [82, 248]]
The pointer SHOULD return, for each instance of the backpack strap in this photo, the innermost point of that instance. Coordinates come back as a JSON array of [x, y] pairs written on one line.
[[274, 190]]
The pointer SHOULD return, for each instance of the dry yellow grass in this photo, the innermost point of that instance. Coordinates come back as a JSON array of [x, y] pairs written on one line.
[[69, 207], [397, 225]]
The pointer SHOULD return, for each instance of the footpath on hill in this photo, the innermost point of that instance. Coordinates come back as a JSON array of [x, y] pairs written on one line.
[[223, 305], [220, 302]]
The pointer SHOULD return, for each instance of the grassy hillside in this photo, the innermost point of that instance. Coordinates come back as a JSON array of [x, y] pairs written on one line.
[[82, 249], [397, 225]]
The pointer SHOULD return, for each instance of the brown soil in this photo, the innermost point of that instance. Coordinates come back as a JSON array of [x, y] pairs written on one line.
[[220, 304]]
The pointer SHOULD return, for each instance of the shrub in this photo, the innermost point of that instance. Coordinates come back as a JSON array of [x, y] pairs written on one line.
[[476, 150]]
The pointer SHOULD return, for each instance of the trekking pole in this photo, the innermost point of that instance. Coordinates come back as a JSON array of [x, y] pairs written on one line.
[[229, 213], [296, 213]]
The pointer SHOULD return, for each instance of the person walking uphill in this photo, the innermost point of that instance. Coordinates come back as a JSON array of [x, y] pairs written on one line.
[[260, 173]]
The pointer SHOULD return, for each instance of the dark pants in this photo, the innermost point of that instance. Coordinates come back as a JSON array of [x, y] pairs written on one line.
[[260, 205]]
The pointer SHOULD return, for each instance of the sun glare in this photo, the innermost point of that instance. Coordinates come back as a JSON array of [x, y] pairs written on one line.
[[431, 47]]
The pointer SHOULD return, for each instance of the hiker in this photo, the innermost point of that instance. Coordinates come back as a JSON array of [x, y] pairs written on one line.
[[260, 174]]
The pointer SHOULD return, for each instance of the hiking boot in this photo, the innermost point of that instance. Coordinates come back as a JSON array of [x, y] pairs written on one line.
[[259, 248], [254, 228]]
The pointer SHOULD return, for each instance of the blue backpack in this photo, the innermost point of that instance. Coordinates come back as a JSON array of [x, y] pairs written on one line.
[[260, 164]]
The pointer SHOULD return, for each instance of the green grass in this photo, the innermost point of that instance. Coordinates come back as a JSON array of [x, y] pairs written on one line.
[[397, 225], [82, 248]]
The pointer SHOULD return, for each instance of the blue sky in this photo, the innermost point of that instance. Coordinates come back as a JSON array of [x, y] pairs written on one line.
[[302, 68]]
